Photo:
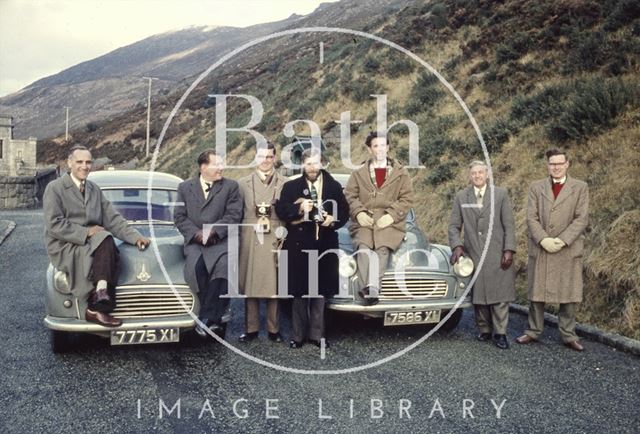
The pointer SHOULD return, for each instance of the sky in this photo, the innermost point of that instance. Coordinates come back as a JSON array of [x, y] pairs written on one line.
[[43, 37]]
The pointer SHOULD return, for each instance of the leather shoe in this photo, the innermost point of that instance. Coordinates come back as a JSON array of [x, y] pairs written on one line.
[[295, 344], [318, 343], [104, 319], [246, 337], [275, 337], [501, 342], [525, 339], [365, 294], [200, 330], [483, 337], [575, 345]]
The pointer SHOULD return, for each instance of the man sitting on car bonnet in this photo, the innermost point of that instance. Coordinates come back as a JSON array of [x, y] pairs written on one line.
[[380, 195], [80, 224]]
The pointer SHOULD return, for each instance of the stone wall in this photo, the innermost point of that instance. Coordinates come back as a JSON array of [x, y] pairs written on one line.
[[17, 192]]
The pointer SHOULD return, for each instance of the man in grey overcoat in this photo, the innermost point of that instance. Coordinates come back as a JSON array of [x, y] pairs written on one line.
[[80, 224], [258, 272], [204, 200], [557, 217], [494, 287]]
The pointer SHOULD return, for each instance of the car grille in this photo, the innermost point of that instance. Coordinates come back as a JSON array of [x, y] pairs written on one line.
[[151, 303], [416, 286]]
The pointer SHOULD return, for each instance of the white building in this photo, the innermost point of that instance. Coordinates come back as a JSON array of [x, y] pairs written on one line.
[[17, 157]]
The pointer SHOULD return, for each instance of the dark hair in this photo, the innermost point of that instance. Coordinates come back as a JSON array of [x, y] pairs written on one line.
[[205, 156], [76, 148], [269, 147], [554, 151], [374, 135]]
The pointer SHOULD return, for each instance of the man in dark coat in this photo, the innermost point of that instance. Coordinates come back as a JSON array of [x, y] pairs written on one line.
[[557, 217], [313, 207], [208, 199], [494, 287], [80, 224]]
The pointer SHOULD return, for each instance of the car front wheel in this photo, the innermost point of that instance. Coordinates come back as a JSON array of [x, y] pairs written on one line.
[[60, 341], [452, 322]]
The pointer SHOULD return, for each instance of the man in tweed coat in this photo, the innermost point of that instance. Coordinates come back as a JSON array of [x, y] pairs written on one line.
[[557, 217]]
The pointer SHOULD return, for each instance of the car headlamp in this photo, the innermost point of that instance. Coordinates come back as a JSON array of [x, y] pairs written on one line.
[[348, 266], [61, 282], [464, 267]]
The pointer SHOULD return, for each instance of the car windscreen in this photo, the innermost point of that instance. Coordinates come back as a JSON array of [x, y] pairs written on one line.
[[131, 203]]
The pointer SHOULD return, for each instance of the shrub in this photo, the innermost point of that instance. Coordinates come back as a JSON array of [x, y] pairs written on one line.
[[441, 173], [398, 65], [588, 53], [625, 12], [371, 65], [424, 94], [594, 107]]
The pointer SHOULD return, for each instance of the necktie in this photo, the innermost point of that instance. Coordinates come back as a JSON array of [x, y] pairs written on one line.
[[314, 193], [208, 184], [82, 188], [479, 198]]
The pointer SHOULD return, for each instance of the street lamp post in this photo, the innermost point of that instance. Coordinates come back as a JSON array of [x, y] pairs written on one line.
[[148, 113], [66, 125]]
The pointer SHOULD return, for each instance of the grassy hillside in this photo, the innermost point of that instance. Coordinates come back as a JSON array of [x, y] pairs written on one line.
[[534, 74]]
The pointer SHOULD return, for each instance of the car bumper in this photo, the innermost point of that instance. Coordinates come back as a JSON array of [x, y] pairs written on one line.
[[380, 308], [75, 325]]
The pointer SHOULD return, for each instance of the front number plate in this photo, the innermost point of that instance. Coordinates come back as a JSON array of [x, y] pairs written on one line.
[[411, 317], [145, 336]]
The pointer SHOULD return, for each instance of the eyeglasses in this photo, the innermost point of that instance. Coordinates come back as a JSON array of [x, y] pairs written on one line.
[[556, 164]]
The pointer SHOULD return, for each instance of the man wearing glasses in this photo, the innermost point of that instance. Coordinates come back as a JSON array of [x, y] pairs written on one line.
[[557, 216]]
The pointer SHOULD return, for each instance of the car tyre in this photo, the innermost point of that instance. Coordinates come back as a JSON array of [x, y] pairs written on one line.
[[61, 342], [452, 322]]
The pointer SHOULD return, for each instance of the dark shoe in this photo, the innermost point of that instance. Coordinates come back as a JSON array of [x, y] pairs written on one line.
[[200, 330], [525, 339], [501, 342], [319, 343], [365, 294], [246, 337], [575, 345], [104, 319], [483, 337], [275, 337], [295, 344]]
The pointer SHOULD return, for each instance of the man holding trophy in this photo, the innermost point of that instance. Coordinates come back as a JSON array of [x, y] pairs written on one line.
[[258, 272]]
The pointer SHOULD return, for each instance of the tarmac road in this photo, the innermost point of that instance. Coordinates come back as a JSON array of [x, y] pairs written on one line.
[[542, 387]]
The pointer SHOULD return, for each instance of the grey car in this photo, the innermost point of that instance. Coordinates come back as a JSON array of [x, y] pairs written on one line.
[[419, 286], [152, 298]]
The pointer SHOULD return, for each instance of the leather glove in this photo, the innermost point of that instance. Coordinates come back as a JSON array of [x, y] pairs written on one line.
[[142, 243], [197, 238], [550, 245], [559, 242], [364, 219], [507, 259], [213, 239], [457, 253], [384, 221]]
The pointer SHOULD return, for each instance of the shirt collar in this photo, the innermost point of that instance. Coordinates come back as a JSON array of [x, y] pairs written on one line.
[[562, 181], [477, 190], [75, 180], [204, 185]]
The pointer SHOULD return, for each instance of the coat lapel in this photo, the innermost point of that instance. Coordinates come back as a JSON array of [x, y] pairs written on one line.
[[75, 191], [215, 189], [567, 190], [547, 192], [196, 190]]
